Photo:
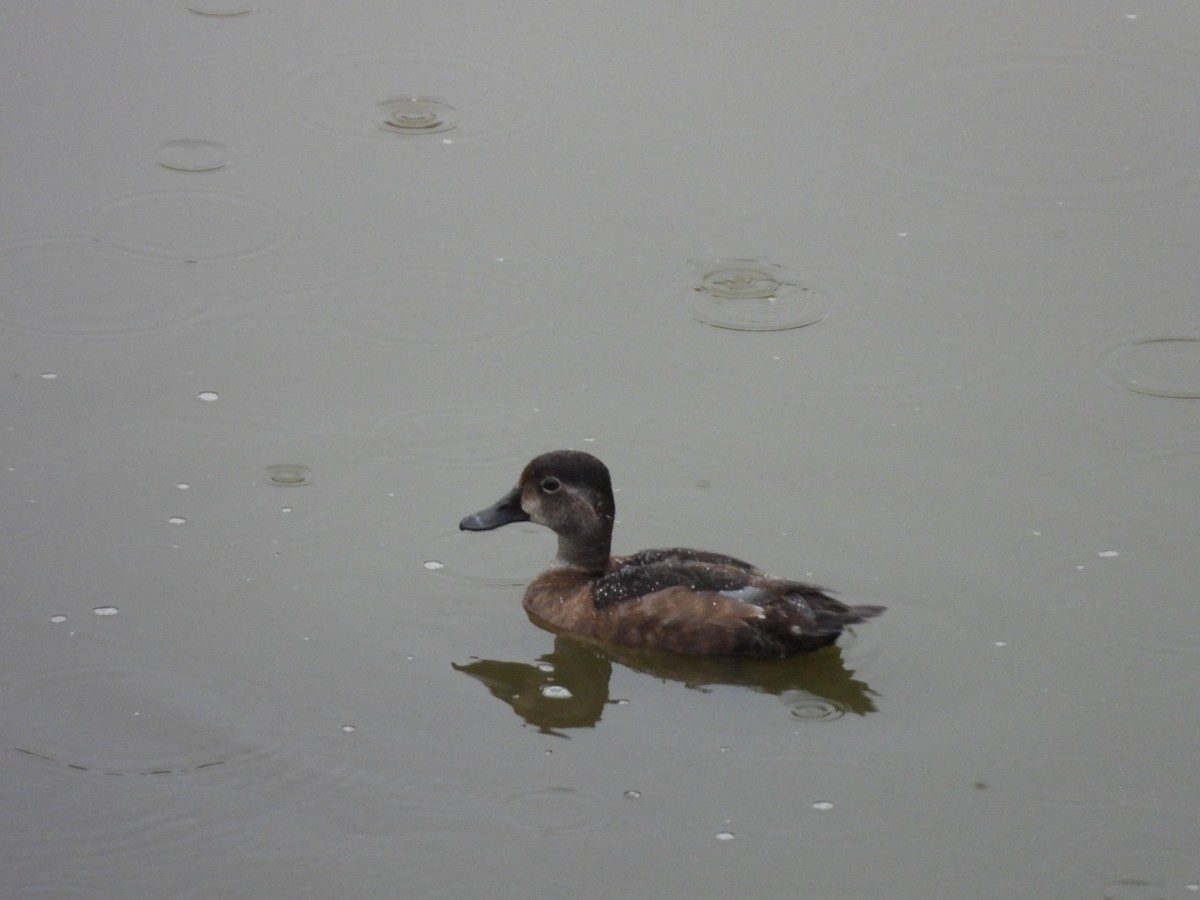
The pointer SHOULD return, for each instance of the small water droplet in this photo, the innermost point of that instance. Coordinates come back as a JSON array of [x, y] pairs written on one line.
[[57, 619], [349, 729], [725, 835], [999, 643], [177, 520], [433, 565], [286, 509], [545, 667], [105, 610], [289, 475], [183, 485], [823, 805], [49, 376], [415, 115], [622, 702], [208, 396], [556, 692], [1108, 554], [632, 794]]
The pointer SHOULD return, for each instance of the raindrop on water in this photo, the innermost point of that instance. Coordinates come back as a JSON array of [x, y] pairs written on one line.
[[415, 115], [752, 295], [289, 475], [191, 155]]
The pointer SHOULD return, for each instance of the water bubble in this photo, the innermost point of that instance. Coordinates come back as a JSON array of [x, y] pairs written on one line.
[[556, 692], [57, 619], [349, 729], [752, 294], [289, 475], [208, 396], [1167, 366], [177, 520], [183, 486], [725, 835], [190, 155], [105, 610], [823, 805], [415, 115]]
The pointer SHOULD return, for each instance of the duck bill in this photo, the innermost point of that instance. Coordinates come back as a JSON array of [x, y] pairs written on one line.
[[505, 510]]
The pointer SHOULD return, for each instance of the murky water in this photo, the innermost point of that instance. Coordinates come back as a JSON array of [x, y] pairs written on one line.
[[903, 304]]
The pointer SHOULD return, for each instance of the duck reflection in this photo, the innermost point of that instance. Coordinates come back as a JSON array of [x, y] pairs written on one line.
[[568, 688]]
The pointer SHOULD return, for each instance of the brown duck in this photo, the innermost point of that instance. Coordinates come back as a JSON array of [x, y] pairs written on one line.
[[687, 601]]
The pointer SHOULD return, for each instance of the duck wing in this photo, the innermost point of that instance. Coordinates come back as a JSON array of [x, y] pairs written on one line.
[[651, 571]]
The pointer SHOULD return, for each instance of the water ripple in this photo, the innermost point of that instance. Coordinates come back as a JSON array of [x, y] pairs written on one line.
[[193, 225], [1022, 125], [422, 305], [77, 286], [556, 810], [125, 719]]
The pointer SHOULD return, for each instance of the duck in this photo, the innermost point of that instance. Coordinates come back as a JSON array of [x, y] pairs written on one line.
[[675, 599]]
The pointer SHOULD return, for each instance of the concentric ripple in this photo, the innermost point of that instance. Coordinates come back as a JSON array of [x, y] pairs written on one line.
[[120, 719], [1161, 366], [401, 98], [425, 304], [1020, 125], [416, 115], [193, 225], [556, 810], [76, 286], [751, 295], [812, 709]]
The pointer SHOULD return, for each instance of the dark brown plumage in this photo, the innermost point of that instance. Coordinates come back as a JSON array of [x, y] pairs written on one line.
[[687, 601]]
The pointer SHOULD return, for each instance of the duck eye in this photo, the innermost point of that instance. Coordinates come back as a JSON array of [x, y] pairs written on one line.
[[550, 485]]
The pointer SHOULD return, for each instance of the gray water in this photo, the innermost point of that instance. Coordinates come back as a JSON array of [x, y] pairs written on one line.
[[901, 300]]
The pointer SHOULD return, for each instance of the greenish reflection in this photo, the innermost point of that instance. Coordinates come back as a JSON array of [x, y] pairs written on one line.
[[568, 687]]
